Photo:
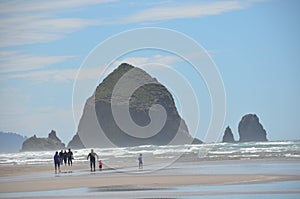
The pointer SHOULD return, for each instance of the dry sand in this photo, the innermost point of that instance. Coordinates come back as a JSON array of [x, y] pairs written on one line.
[[30, 169]]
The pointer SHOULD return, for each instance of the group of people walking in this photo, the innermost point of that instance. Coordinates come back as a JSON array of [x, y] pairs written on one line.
[[67, 157], [61, 158]]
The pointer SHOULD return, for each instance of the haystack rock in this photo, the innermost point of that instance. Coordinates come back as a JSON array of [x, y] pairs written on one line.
[[228, 136], [43, 144], [251, 130], [127, 109]]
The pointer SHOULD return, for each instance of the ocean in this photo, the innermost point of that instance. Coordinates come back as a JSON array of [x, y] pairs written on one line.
[[127, 156]]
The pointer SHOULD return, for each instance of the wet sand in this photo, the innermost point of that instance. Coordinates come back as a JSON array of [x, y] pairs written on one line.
[[68, 182], [131, 181]]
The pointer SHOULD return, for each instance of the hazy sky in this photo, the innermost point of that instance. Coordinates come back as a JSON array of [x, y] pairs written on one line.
[[255, 45]]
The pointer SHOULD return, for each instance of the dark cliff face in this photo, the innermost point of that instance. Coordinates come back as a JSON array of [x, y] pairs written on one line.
[[43, 144], [228, 136], [131, 89], [251, 130]]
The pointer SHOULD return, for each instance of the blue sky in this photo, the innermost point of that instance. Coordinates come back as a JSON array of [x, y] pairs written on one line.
[[255, 45]]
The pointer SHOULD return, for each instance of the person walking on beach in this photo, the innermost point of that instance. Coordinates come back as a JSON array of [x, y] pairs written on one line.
[[92, 155], [65, 158], [56, 162], [140, 159], [100, 165], [61, 155], [70, 157]]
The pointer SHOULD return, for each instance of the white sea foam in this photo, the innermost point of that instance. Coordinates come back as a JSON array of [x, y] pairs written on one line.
[[216, 151]]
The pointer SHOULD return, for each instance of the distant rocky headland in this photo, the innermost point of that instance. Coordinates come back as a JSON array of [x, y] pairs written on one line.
[[52, 142], [11, 142], [250, 130]]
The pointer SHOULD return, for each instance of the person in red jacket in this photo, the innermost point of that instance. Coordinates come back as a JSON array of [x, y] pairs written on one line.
[[100, 165]]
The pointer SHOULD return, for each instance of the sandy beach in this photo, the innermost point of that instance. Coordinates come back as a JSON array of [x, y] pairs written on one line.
[[180, 180], [155, 181], [31, 169]]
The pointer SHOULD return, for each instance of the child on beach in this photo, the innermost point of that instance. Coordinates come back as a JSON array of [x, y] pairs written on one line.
[[100, 165]]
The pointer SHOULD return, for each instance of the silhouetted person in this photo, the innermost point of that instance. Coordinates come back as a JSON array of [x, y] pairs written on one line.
[[140, 159], [61, 155], [92, 155], [65, 157], [70, 157], [56, 162]]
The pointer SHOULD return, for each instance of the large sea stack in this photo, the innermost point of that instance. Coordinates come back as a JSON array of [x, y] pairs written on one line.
[[129, 96], [251, 130], [43, 144]]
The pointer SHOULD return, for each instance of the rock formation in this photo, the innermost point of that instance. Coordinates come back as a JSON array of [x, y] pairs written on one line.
[[76, 143], [131, 96], [251, 130], [228, 136], [43, 144]]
